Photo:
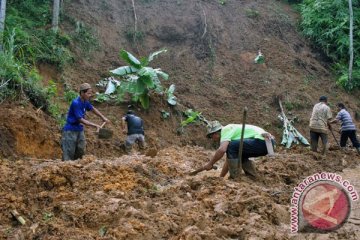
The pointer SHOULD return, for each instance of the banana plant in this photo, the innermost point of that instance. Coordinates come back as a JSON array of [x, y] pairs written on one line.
[[138, 78]]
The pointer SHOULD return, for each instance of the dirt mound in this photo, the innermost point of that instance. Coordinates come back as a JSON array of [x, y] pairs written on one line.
[[27, 132], [140, 197]]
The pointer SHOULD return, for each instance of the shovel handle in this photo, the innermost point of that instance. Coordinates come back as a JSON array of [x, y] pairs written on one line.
[[334, 137], [200, 170], [103, 124]]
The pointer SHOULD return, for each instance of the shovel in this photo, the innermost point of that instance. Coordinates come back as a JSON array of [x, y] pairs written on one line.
[[334, 137], [193, 173], [104, 133], [236, 171]]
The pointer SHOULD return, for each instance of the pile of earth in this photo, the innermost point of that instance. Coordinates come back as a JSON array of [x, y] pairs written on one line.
[[143, 197]]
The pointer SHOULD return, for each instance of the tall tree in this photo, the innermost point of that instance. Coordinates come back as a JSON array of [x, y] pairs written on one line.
[[2, 20], [55, 16], [351, 48]]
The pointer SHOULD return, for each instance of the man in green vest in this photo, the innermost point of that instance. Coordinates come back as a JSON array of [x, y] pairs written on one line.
[[254, 145]]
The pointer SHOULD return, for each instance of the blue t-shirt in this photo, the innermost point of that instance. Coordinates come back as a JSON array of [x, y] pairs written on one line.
[[76, 112]]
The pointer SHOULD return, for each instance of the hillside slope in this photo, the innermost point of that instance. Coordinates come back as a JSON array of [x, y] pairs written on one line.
[[210, 58], [150, 195]]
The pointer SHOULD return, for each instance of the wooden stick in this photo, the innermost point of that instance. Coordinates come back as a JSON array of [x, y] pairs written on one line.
[[239, 165], [103, 124], [18, 217]]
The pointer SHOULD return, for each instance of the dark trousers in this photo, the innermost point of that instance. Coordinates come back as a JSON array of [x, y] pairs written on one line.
[[314, 139], [73, 145], [349, 134], [251, 148]]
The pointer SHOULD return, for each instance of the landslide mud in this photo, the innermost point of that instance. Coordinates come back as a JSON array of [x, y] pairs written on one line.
[[140, 197]]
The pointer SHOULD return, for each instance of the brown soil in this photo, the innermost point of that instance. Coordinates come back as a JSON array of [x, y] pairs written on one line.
[[139, 197], [149, 195]]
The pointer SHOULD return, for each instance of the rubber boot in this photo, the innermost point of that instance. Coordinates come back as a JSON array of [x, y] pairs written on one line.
[[233, 169], [249, 168], [127, 148]]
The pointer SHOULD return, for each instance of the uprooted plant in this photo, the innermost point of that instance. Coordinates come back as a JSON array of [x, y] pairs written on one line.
[[139, 80], [191, 117]]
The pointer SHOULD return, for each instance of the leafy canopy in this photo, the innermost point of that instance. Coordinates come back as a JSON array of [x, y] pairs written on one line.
[[326, 22]]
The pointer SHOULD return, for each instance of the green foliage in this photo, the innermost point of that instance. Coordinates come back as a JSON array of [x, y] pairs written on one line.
[[192, 116], [327, 24], [85, 39], [102, 97], [70, 95], [293, 105], [102, 231], [29, 19], [47, 216], [251, 13], [19, 77], [222, 2], [139, 79], [344, 76], [164, 114], [28, 41], [133, 36]]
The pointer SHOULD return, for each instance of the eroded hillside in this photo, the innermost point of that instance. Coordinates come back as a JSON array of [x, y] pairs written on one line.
[[149, 195]]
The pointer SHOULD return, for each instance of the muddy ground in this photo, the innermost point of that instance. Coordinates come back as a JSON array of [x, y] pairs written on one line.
[[143, 197], [149, 195]]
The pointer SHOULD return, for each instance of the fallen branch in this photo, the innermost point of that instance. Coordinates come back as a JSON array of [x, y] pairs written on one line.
[[135, 19], [205, 24]]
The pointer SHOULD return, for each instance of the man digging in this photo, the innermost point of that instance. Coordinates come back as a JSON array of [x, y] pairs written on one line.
[[229, 136], [73, 141]]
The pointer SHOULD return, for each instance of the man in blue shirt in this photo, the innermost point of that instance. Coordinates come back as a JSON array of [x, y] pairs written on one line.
[[73, 141]]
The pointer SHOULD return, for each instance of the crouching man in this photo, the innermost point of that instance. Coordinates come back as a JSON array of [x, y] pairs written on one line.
[[254, 145]]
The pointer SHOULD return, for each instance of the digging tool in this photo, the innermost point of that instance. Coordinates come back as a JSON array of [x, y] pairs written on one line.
[[104, 133], [193, 173], [239, 160], [334, 137]]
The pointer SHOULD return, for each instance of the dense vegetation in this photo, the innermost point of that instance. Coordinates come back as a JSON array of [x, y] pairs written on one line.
[[28, 40], [327, 23]]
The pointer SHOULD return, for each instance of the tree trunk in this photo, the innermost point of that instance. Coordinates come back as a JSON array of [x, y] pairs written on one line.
[[2, 21], [55, 16], [351, 47]]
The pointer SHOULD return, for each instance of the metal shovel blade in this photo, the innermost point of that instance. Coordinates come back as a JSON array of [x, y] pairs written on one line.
[[105, 133]]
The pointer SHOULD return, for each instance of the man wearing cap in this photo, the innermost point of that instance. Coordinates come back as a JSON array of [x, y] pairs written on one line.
[[229, 136], [134, 130], [73, 138], [319, 124]]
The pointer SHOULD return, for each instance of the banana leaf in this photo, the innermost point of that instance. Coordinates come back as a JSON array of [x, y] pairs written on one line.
[[290, 134], [131, 59], [171, 98], [121, 71], [154, 54], [158, 71]]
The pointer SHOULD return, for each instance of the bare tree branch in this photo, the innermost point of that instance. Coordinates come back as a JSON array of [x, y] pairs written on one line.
[[205, 23]]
